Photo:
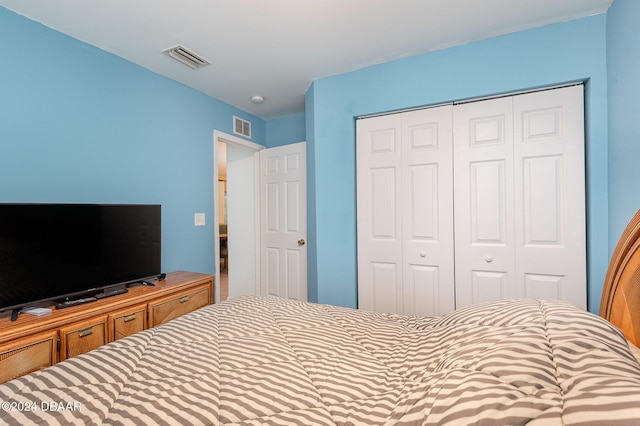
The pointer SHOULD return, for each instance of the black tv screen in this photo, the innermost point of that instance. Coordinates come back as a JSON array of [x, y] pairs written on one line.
[[54, 251]]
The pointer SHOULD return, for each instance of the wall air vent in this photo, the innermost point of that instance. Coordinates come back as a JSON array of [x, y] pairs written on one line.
[[241, 127], [186, 56]]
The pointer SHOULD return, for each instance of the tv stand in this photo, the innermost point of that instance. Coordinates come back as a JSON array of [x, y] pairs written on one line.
[[30, 342]]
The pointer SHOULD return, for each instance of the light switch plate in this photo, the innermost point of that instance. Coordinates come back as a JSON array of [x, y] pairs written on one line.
[[199, 219]]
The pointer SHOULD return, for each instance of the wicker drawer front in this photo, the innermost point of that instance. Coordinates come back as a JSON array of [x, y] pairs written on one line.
[[27, 355], [83, 337], [170, 308], [127, 322]]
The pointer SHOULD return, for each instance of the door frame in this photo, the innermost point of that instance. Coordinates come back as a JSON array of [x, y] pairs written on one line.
[[219, 136]]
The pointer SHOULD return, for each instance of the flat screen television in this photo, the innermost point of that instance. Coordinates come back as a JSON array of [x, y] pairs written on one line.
[[57, 252]]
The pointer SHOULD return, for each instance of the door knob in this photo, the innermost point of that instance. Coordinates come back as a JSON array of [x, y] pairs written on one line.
[[301, 242]]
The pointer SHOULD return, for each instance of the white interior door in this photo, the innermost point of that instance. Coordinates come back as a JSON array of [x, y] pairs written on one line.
[[379, 212], [520, 198], [549, 184], [405, 212], [483, 187], [283, 221], [427, 212]]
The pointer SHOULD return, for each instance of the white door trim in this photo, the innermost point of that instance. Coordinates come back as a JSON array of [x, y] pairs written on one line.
[[219, 136], [225, 137]]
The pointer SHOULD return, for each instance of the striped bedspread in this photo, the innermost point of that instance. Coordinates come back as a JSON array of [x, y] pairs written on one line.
[[256, 361]]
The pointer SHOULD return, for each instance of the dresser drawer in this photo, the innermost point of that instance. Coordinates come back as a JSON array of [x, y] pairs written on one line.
[[28, 355], [172, 307], [83, 337], [127, 322]]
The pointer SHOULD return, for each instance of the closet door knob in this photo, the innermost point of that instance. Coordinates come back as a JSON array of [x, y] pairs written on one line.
[[488, 259], [423, 254]]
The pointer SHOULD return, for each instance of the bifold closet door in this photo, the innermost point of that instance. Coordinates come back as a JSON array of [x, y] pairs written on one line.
[[520, 198], [427, 212], [484, 197], [549, 154], [405, 212]]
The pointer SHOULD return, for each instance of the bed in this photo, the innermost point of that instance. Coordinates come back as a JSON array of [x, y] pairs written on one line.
[[263, 360]]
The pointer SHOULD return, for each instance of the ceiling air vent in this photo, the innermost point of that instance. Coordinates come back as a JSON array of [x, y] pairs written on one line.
[[241, 127], [186, 56]]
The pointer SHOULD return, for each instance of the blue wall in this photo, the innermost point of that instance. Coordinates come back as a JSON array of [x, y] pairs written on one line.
[[78, 124], [81, 125], [571, 51], [286, 130], [623, 39]]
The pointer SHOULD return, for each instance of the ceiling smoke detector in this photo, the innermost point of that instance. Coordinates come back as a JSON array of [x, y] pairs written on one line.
[[257, 99], [186, 56]]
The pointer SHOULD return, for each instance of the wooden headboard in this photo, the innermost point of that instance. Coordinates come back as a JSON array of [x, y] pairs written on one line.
[[620, 302]]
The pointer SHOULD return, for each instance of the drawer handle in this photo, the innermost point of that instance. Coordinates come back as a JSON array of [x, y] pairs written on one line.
[[85, 332], [128, 318], [184, 299]]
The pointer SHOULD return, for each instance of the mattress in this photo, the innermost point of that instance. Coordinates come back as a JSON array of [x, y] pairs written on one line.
[[263, 360]]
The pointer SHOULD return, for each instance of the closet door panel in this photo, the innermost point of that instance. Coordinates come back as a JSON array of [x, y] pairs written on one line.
[[427, 211], [379, 160], [483, 188], [488, 202], [488, 286], [550, 189], [383, 280], [550, 287], [422, 290]]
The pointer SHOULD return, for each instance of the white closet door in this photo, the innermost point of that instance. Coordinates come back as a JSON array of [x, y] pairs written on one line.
[[520, 198], [427, 211], [405, 212], [483, 188], [379, 160], [507, 174], [550, 189]]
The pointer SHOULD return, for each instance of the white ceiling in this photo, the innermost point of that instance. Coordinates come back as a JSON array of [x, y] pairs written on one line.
[[276, 48]]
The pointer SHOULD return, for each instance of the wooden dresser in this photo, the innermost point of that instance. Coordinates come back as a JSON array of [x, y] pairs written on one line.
[[34, 342]]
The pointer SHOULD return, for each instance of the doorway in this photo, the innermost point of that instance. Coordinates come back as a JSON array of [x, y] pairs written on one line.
[[263, 215], [236, 216], [223, 249]]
